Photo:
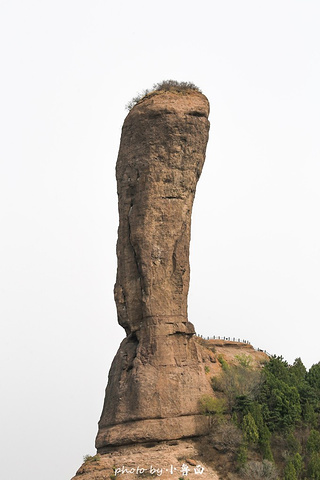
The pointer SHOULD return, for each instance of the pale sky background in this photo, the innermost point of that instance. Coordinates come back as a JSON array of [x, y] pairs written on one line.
[[68, 68]]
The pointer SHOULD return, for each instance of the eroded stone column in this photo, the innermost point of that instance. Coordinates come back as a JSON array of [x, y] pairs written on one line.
[[157, 376]]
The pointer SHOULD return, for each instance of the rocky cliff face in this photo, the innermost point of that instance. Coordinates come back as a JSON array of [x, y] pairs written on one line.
[[157, 376], [170, 456]]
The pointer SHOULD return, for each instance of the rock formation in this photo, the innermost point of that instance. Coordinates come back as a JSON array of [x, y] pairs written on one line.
[[171, 455], [157, 376]]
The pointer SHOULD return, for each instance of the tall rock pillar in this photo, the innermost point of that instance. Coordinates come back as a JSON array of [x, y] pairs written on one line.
[[157, 376]]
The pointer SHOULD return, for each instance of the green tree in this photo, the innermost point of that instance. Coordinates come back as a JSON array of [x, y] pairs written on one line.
[[297, 372], [242, 456], [264, 442], [280, 400], [293, 444], [313, 376], [309, 396], [298, 464], [279, 368], [290, 472], [313, 442], [250, 429], [256, 411], [308, 414], [314, 467]]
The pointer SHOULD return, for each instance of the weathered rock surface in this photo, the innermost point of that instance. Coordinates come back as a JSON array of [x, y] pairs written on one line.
[[157, 376], [169, 460], [161, 156]]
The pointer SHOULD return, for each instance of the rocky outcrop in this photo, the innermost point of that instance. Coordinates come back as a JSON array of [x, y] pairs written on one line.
[[157, 376], [167, 461], [168, 458]]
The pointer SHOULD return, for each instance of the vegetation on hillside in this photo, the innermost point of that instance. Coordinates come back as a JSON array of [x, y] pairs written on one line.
[[165, 85], [268, 418]]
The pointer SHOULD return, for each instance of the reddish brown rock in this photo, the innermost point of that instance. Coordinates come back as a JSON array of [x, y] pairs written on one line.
[[164, 460], [157, 376]]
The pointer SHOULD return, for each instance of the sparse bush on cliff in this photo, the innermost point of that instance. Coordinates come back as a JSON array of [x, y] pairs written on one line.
[[165, 85], [227, 437], [244, 360], [212, 406], [90, 458], [223, 363], [175, 86], [237, 381], [264, 470]]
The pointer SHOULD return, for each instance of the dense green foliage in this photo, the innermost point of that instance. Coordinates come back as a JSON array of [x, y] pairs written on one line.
[[277, 410]]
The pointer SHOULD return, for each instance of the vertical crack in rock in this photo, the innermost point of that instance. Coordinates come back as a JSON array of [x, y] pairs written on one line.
[[157, 376], [135, 255]]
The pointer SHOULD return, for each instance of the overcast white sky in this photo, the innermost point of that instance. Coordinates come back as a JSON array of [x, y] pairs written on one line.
[[68, 68]]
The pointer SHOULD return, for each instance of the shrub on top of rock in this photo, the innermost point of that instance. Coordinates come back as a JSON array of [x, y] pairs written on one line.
[[165, 85]]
